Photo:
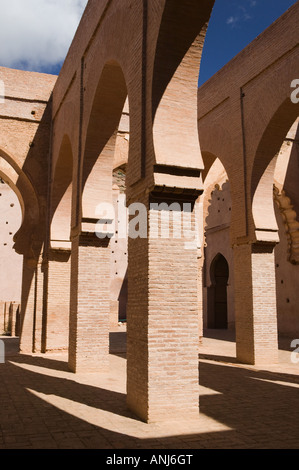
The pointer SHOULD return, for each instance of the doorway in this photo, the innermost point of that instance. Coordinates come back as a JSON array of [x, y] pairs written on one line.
[[217, 297]]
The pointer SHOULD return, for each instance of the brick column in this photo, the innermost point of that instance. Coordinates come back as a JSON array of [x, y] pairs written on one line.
[[7, 326], [163, 326], [200, 295], [58, 299], [13, 318], [89, 304], [31, 306], [16, 324], [2, 305], [255, 304]]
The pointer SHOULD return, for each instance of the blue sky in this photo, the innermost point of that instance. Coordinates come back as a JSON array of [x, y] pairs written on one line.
[[234, 24], [36, 34]]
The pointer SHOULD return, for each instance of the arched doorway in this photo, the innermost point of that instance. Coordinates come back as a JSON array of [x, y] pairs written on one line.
[[217, 298]]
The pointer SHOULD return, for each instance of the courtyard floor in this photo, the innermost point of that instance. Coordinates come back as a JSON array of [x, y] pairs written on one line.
[[44, 406]]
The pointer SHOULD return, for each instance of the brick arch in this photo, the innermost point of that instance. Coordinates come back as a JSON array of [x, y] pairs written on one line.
[[270, 116], [212, 164], [213, 196], [209, 160], [13, 175], [216, 258], [262, 177], [101, 136], [180, 28], [175, 78], [272, 120], [215, 142], [211, 182], [214, 175], [10, 175], [61, 195]]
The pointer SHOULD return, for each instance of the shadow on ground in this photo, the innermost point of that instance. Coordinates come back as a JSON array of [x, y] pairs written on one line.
[[256, 408]]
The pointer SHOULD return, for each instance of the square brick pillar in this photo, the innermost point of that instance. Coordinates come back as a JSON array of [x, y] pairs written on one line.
[[255, 304], [13, 317], [58, 299], [2, 305], [7, 326], [163, 325], [200, 295], [31, 306], [16, 325], [89, 304]]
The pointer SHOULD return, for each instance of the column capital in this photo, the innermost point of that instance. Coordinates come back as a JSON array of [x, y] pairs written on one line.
[[174, 194], [264, 238]]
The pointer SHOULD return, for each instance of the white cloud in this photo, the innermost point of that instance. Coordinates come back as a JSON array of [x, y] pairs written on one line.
[[242, 14], [36, 34], [232, 20]]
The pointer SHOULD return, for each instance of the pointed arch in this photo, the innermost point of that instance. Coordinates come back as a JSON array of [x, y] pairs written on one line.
[[13, 175], [175, 82], [264, 168], [217, 294], [61, 201], [101, 138]]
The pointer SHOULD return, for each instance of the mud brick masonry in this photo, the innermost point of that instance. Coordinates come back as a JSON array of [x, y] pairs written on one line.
[[125, 118]]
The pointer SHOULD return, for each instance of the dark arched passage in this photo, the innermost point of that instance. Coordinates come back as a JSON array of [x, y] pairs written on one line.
[[217, 293]]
